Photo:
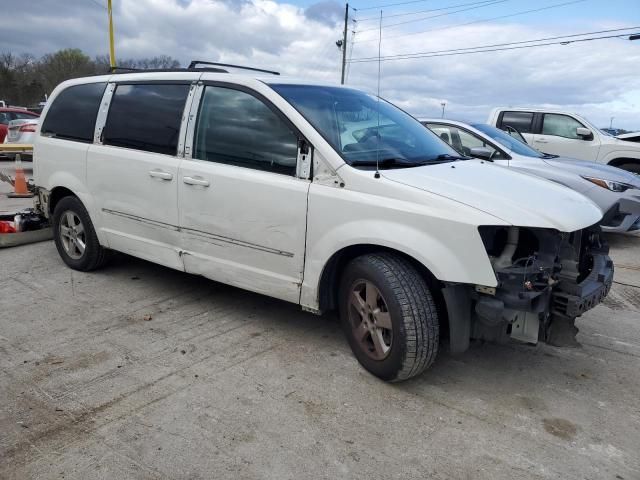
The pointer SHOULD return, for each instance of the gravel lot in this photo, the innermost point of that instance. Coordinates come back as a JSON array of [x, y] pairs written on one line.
[[138, 371]]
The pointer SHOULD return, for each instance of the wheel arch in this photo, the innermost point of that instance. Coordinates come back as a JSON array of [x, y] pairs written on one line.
[[66, 189], [57, 194], [333, 268], [619, 161]]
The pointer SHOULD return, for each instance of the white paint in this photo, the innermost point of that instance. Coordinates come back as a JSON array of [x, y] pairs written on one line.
[[274, 234]]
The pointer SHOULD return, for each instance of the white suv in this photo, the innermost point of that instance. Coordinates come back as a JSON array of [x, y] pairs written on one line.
[[569, 135], [271, 185]]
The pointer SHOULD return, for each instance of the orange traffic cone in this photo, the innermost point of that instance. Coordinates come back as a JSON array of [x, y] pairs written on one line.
[[20, 189]]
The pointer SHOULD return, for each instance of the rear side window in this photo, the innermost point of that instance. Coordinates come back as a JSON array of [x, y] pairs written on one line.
[[72, 115], [521, 121], [146, 117]]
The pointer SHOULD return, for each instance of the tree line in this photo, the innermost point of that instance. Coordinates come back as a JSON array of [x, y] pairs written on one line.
[[26, 80]]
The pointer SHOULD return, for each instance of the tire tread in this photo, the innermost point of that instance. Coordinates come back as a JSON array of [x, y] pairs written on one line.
[[419, 314]]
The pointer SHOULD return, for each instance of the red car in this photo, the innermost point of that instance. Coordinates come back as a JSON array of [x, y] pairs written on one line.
[[7, 114]]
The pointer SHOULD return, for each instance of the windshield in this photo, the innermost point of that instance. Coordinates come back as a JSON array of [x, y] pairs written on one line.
[[506, 140], [362, 129]]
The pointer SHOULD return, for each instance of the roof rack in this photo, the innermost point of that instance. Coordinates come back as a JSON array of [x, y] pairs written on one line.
[[194, 63], [152, 70], [193, 66]]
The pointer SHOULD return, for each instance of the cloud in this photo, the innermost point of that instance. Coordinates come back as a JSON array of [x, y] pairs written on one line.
[[598, 79], [328, 12]]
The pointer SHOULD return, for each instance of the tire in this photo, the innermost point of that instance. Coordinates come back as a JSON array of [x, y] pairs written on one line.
[[403, 301], [631, 167], [70, 212]]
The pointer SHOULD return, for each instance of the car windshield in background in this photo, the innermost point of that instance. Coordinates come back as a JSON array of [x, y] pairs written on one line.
[[363, 129], [513, 144]]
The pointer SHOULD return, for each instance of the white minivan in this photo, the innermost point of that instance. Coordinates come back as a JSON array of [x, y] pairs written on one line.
[[320, 195], [568, 134]]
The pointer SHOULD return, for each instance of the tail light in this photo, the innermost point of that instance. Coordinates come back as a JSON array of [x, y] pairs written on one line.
[[28, 127]]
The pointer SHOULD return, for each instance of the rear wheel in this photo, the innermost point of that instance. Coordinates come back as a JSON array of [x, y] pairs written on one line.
[[389, 316], [75, 237]]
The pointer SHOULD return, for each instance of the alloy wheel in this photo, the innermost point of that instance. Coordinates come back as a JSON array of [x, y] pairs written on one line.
[[73, 235], [370, 319]]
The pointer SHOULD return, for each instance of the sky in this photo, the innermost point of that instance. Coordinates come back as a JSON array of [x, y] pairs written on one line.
[[598, 79]]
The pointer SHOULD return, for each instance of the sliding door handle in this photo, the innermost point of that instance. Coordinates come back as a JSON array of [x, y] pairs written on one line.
[[196, 181], [160, 174]]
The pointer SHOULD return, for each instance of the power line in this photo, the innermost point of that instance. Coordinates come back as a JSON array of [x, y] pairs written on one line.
[[409, 55], [487, 4], [453, 53], [424, 11], [353, 36], [390, 5], [549, 7]]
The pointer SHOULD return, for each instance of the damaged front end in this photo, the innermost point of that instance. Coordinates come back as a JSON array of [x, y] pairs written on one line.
[[545, 279]]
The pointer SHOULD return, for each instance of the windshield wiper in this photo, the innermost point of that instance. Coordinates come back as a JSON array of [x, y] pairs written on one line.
[[549, 155], [384, 163], [399, 162], [445, 158]]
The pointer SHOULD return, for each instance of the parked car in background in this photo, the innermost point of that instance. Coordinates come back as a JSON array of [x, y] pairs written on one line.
[[22, 132], [8, 114], [567, 134], [255, 183], [615, 191], [614, 131]]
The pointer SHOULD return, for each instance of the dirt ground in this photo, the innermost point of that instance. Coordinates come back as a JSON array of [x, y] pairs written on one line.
[[137, 371]]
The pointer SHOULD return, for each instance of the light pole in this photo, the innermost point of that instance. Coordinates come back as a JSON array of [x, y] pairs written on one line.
[[112, 51], [611, 123], [444, 104]]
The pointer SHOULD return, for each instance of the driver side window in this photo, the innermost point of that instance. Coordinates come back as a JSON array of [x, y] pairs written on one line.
[[236, 128], [560, 126]]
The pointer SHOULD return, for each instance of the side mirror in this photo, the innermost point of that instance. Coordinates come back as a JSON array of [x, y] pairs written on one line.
[[585, 133], [481, 152]]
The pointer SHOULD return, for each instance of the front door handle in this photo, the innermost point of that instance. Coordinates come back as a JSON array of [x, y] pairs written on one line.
[[196, 181], [161, 174]]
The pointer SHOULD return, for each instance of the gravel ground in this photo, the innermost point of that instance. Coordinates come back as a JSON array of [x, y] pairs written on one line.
[[138, 371]]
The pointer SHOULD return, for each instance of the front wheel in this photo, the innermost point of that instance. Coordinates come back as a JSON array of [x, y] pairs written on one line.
[[389, 316], [631, 167]]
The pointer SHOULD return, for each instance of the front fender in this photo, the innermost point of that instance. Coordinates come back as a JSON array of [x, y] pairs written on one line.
[[633, 154], [451, 249]]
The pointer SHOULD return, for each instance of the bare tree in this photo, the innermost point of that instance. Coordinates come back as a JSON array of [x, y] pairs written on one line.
[[25, 80]]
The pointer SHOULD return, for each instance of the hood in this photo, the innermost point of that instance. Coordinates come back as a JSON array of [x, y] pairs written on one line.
[[630, 137], [592, 169], [514, 197]]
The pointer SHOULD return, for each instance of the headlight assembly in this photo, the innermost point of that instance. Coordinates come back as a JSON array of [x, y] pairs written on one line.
[[618, 187]]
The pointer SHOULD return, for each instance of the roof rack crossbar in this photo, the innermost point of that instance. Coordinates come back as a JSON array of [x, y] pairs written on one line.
[[194, 63]]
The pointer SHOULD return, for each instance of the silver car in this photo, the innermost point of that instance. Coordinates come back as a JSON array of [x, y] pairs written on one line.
[[615, 191], [22, 131]]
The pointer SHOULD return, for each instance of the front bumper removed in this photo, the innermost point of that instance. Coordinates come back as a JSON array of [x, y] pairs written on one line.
[[538, 297]]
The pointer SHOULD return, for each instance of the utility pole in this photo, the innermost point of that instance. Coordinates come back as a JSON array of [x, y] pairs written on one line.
[[443, 104], [112, 50], [344, 42]]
